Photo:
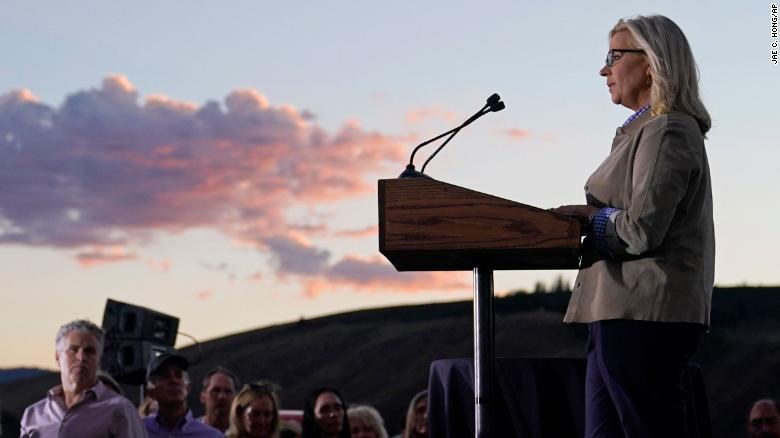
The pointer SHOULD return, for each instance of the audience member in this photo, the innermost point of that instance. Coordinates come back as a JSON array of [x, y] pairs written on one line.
[[147, 407], [91, 409], [417, 417], [168, 383], [365, 422], [324, 415], [254, 412], [219, 388], [764, 419]]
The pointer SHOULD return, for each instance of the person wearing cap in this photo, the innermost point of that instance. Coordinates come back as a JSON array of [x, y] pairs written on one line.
[[168, 383], [82, 406]]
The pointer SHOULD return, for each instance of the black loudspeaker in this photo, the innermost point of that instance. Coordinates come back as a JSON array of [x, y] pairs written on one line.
[[126, 360], [133, 336], [130, 322]]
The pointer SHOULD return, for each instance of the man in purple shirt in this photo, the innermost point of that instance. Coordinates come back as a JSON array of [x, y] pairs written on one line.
[[167, 382], [82, 406], [219, 390]]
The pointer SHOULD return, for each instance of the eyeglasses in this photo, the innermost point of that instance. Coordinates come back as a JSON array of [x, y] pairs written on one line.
[[611, 59]]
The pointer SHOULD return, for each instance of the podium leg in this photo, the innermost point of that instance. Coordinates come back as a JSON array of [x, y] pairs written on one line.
[[484, 328]]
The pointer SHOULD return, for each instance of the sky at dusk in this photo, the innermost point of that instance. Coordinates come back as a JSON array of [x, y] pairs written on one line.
[[218, 161]]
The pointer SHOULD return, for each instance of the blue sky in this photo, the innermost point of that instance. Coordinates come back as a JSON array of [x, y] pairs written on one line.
[[339, 92]]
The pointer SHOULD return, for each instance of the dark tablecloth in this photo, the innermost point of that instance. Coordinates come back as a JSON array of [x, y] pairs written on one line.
[[532, 397]]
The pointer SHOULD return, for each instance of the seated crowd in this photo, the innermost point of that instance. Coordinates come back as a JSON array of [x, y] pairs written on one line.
[[89, 403]]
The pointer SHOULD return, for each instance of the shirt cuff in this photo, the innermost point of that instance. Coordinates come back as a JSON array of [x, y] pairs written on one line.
[[602, 224]]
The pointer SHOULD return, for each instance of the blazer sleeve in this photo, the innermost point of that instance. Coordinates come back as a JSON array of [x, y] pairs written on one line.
[[667, 156]]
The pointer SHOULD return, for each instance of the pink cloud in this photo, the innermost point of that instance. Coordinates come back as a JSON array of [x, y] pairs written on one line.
[[517, 134], [377, 276], [420, 115], [299, 259], [22, 95], [103, 255], [293, 255], [374, 273], [369, 231], [104, 170], [107, 170]]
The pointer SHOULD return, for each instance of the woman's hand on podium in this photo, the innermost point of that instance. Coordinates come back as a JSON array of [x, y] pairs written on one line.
[[580, 212]]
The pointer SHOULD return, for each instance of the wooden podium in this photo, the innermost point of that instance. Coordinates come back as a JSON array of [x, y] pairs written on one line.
[[429, 225]]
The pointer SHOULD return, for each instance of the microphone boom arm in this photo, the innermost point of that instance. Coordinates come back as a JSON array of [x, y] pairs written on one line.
[[471, 119], [493, 104]]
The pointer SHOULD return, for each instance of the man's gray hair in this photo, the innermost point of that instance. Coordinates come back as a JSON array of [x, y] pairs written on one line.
[[83, 325], [674, 74]]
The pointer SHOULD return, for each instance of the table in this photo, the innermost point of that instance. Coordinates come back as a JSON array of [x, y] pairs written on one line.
[[533, 397]]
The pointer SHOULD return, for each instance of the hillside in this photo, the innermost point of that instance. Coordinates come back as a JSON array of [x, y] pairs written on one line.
[[381, 356]]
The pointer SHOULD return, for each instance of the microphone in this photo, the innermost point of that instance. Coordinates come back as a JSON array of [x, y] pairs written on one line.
[[493, 104]]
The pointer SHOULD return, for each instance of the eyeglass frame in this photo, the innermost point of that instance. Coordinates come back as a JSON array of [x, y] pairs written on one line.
[[610, 61]]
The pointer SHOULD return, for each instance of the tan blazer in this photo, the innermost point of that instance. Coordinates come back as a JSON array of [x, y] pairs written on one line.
[[662, 238]]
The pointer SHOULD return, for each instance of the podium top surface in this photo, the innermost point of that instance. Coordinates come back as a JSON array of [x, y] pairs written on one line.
[[429, 225]]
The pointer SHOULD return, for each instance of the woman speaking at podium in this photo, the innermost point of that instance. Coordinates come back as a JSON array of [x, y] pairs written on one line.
[[646, 276]]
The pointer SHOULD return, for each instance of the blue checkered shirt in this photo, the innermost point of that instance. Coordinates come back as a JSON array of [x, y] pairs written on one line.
[[636, 114]]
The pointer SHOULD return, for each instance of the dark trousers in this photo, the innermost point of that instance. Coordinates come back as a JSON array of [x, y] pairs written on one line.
[[634, 378]]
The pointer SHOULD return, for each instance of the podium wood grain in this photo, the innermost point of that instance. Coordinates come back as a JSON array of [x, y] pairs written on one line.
[[429, 225]]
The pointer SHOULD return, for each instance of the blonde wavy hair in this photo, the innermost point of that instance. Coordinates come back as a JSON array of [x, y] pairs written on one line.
[[673, 70], [249, 393]]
